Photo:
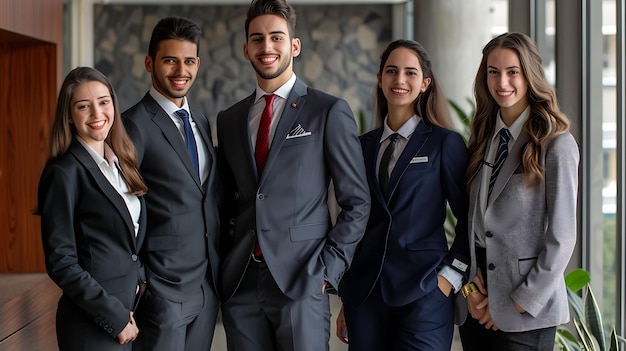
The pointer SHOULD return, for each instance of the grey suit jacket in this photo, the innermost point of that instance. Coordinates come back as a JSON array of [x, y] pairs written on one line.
[[286, 209], [531, 233], [181, 237]]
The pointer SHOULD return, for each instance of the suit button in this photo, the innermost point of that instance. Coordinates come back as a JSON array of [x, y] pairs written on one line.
[[489, 234], [260, 196], [133, 257], [491, 266]]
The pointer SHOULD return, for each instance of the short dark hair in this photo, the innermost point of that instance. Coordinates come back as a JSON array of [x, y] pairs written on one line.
[[272, 7], [173, 28]]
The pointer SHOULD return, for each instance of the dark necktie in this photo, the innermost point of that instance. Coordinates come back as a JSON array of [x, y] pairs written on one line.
[[501, 154], [383, 169], [262, 146], [191, 140], [263, 134]]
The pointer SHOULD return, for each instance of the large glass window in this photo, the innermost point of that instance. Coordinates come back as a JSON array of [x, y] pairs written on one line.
[[609, 157]]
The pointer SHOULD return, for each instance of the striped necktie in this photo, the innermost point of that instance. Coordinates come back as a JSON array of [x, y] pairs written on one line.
[[501, 154]]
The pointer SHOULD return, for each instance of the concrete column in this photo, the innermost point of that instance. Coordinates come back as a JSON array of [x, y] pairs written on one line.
[[454, 33]]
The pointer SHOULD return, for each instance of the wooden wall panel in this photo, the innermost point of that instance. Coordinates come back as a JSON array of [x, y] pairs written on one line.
[[27, 100], [31, 46], [38, 19]]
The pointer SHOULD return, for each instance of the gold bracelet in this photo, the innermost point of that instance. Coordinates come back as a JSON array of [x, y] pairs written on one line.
[[468, 289]]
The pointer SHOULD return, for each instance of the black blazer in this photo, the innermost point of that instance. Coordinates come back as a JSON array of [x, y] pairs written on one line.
[[89, 239], [181, 237]]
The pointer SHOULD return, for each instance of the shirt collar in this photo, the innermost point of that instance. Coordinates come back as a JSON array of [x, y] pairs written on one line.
[[166, 104], [515, 128], [109, 156], [283, 91], [405, 131]]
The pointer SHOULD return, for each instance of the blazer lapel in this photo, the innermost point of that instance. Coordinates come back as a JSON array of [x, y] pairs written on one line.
[[204, 128], [512, 162], [172, 134], [371, 148], [415, 144], [107, 189], [293, 106], [243, 127]]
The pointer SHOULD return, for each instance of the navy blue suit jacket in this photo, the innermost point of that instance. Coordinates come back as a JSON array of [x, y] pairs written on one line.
[[405, 242]]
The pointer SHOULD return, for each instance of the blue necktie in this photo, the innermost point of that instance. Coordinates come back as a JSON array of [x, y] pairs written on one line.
[[501, 154], [191, 140]]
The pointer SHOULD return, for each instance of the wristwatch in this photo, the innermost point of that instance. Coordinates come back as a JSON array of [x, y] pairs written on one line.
[[468, 289]]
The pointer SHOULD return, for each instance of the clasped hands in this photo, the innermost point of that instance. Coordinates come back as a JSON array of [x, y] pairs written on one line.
[[477, 303]]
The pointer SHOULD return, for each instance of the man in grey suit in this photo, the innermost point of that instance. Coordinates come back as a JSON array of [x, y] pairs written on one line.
[[277, 155], [177, 161]]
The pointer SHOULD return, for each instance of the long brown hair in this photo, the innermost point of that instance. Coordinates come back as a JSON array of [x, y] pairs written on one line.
[[63, 131], [430, 105], [546, 119]]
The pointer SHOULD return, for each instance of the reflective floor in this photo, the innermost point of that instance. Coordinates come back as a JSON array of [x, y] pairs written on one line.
[[28, 306]]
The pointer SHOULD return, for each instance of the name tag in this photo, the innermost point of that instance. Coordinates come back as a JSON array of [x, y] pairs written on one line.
[[459, 265], [419, 159]]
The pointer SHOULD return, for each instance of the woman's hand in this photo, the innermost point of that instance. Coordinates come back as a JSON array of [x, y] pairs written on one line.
[[519, 308], [444, 285], [342, 329]]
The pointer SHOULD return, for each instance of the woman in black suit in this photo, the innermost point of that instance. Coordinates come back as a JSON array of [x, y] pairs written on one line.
[[92, 217]]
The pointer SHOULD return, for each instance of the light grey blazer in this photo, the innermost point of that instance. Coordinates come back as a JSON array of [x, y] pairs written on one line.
[[532, 233]]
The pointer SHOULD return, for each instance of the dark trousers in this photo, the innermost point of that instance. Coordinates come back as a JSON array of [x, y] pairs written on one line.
[[475, 337], [166, 325], [260, 317], [425, 324]]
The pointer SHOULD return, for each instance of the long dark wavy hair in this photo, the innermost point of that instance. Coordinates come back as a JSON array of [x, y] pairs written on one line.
[[546, 119]]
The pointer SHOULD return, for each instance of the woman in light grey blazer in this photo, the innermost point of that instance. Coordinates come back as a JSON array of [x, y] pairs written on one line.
[[523, 183]]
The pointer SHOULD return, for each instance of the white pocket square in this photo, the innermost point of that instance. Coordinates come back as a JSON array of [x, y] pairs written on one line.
[[419, 159], [298, 132]]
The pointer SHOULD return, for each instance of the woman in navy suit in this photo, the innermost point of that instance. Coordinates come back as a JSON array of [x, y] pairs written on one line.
[[92, 218], [397, 295], [523, 181]]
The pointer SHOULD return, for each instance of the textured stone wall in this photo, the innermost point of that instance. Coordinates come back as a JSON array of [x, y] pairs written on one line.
[[341, 47]]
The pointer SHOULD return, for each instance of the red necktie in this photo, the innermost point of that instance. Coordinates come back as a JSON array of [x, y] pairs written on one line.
[[262, 145], [263, 135]]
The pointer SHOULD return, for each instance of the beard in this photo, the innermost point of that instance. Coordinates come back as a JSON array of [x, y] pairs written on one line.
[[165, 89], [271, 75]]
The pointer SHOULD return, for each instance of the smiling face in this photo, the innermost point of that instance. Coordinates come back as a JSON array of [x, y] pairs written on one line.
[[271, 51], [174, 68], [402, 80], [92, 113], [507, 83]]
